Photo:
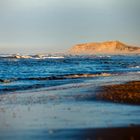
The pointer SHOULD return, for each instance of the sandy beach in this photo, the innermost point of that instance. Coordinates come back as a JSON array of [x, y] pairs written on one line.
[[128, 92]]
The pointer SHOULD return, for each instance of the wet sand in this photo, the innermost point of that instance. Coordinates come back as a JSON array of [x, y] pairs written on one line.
[[123, 93], [119, 133]]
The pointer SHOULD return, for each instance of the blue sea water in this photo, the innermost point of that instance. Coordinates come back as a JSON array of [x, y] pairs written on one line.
[[19, 74]]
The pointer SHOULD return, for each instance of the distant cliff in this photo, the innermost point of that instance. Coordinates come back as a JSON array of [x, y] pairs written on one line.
[[109, 47]]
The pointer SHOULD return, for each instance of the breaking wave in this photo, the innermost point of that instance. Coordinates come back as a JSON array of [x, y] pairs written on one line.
[[135, 67], [18, 56], [59, 77], [41, 82], [69, 76], [7, 80]]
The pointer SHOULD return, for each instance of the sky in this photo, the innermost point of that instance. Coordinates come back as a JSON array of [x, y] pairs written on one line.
[[43, 26]]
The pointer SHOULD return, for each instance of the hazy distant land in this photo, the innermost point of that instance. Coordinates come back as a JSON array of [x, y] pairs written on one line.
[[108, 47]]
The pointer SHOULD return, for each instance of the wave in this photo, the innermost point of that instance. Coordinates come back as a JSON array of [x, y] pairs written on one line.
[[38, 56], [135, 67], [55, 57], [58, 77], [38, 85], [68, 76], [86, 75], [50, 56], [21, 87], [7, 80]]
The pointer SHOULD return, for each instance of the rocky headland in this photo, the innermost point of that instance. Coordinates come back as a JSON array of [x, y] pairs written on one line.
[[108, 47]]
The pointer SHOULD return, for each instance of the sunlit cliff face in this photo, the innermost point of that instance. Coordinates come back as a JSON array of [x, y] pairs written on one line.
[[109, 47]]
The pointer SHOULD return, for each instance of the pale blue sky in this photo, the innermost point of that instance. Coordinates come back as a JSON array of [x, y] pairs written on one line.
[[33, 26]]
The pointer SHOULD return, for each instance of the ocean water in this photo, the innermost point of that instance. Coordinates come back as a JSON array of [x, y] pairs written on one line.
[[32, 73]]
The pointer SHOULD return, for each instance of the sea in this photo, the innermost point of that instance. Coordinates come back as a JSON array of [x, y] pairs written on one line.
[[34, 72], [53, 96]]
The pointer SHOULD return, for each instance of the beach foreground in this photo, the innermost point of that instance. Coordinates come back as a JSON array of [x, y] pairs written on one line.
[[122, 133], [55, 114]]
